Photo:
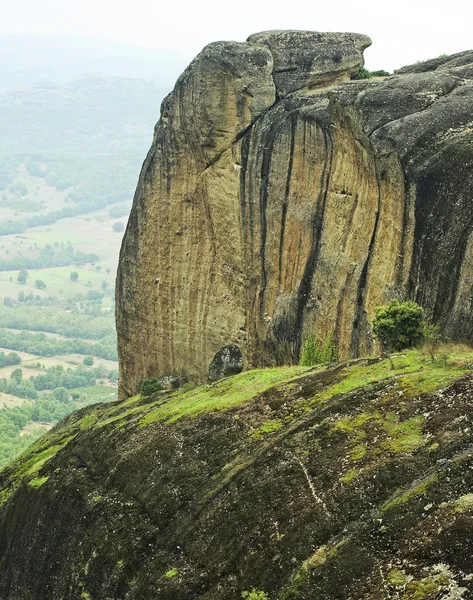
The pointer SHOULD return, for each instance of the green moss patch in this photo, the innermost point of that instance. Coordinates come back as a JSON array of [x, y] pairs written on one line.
[[413, 492], [399, 436], [31, 461], [425, 589], [355, 424], [322, 554], [415, 372], [265, 429], [464, 503], [171, 573], [358, 452], [37, 460], [87, 421], [37, 482], [350, 475], [396, 578], [222, 395], [405, 436]]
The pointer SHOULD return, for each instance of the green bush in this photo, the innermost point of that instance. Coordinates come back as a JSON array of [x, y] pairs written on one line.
[[399, 325], [329, 350], [362, 73], [22, 276], [380, 73], [311, 353], [315, 353], [150, 386], [255, 595]]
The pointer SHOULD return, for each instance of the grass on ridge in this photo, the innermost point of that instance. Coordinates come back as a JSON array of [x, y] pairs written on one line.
[[415, 371], [222, 394]]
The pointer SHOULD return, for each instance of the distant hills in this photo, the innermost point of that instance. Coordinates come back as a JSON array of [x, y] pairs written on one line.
[[76, 120], [67, 149], [31, 58]]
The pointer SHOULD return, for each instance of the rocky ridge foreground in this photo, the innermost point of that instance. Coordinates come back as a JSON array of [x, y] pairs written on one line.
[[349, 482], [280, 198]]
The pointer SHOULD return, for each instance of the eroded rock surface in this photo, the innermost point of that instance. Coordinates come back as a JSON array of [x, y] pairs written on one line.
[[299, 492], [309, 59], [276, 201]]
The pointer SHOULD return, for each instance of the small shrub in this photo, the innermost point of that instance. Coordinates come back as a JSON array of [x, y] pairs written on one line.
[[315, 353], [150, 386], [432, 339], [362, 73], [380, 73], [399, 325], [255, 595]]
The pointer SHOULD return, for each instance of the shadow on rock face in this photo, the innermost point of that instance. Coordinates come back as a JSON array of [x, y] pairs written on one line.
[[227, 361]]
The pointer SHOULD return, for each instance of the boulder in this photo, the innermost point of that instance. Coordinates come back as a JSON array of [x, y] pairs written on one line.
[[309, 59], [227, 361]]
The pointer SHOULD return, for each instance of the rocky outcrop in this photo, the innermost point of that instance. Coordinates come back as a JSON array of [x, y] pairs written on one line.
[[309, 59], [227, 361], [291, 487], [278, 199]]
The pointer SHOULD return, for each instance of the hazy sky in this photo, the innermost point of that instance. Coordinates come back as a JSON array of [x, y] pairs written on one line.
[[403, 31]]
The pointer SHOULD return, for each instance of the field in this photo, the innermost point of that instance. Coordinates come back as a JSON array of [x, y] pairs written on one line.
[[59, 301], [69, 164]]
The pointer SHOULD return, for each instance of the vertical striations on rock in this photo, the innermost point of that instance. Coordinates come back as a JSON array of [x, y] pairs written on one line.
[[279, 198]]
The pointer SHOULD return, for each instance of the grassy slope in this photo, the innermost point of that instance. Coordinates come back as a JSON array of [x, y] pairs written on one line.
[[414, 373], [368, 444]]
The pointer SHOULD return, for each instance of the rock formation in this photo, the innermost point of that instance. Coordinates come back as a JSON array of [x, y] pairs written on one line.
[[279, 198], [291, 488]]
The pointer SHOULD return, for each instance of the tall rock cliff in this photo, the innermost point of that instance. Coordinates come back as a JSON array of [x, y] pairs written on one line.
[[280, 198]]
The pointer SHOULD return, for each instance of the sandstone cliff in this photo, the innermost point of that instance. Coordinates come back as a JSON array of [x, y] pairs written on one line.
[[280, 198]]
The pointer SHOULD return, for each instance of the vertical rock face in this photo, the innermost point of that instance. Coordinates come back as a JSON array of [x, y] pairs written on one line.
[[278, 198]]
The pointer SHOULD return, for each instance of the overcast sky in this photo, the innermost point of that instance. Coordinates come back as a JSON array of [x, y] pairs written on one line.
[[403, 31]]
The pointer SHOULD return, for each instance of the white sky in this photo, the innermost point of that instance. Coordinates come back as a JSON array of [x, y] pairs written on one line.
[[403, 31]]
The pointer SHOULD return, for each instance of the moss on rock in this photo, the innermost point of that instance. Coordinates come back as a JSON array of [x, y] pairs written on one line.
[[328, 495]]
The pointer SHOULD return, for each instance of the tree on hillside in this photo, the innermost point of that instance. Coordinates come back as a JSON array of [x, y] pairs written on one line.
[[118, 227], [61, 394], [432, 339], [399, 325], [74, 276], [16, 375], [22, 276], [88, 361], [39, 283]]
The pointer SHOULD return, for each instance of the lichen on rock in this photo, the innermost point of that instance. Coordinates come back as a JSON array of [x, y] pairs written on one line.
[[257, 481]]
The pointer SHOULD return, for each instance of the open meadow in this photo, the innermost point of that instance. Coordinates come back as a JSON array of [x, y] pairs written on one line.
[[57, 330]]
